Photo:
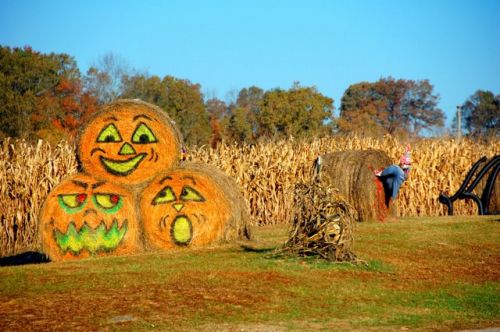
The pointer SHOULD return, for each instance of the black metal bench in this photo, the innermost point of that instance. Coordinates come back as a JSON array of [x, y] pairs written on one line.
[[466, 189]]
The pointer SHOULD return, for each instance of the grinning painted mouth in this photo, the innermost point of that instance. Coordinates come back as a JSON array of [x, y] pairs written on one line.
[[93, 240], [122, 167]]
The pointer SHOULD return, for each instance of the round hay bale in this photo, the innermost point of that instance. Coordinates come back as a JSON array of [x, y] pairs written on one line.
[[352, 173], [128, 142], [84, 216], [193, 205]]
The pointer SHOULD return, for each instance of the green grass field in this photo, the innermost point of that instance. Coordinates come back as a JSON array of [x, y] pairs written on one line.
[[420, 274]]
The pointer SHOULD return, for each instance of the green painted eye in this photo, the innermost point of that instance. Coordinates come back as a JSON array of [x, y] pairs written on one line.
[[166, 195], [109, 203], [72, 203], [109, 134], [189, 194], [143, 135]]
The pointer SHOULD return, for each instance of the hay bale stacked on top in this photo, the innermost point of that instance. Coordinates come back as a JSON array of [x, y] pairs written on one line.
[[323, 224], [352, 173], [127, 151], [129, 142]]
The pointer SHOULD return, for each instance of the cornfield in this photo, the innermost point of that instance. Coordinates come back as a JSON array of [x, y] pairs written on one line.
[[27, 174], [267, 172]]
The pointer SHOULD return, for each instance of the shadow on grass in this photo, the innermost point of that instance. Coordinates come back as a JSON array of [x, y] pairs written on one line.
[[319, 263], [29, 257], [272, 252], [257, 248]]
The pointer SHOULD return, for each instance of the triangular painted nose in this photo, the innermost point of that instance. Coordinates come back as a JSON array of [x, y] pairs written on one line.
[[126, 149], [178, 206]]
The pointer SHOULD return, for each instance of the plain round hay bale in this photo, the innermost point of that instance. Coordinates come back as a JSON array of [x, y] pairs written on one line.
[[128, 141], [352, 173], [86, 217], [193, 205]]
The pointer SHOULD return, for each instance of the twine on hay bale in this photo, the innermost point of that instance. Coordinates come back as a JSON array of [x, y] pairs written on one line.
[[323, 224], [352, 173]]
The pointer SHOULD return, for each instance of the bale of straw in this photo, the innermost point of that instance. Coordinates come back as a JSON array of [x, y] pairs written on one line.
[[86, 217], [352, 173], [238, 224], [193, 205], [323, 224], [128, 141]]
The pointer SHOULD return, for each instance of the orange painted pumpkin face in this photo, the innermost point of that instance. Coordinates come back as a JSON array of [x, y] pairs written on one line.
[[85, 217], [183, 208], [129, 143]]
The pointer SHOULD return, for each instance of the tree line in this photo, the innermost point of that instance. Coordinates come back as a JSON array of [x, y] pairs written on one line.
[[46, 96]]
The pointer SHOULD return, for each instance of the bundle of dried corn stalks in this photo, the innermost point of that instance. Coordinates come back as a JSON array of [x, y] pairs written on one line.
[[323, 224]]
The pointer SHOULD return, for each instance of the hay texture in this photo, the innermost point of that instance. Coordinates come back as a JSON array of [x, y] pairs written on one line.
[[352, 173], [84, 216], [132, 193], [128, 142], [193, 205], [323, 224]]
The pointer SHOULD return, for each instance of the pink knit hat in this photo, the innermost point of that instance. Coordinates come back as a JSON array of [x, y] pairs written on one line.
[[405, 160]]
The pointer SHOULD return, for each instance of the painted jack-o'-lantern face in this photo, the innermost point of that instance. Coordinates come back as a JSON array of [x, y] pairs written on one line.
[[128, 142], [183, 208], [85, 217]]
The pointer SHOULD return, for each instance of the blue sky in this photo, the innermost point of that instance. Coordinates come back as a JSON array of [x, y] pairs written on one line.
[[229, 45]]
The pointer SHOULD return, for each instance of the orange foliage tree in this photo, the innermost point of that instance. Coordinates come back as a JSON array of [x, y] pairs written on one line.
[[41, 95]]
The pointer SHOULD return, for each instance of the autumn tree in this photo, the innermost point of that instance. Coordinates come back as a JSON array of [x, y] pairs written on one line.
[[389, 106], [181, 99], [250, 99], [481, 114], [361, 111], [240, 121], [298, 112], [40, 94], [238, 124], [216, 110], [71, 108], [104, 79]]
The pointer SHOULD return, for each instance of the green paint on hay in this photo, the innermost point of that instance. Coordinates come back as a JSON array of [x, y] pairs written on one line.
[[72, 203], [122, 168], [92, 240], [182, 230], [126, 149], [108, 203], [109, 134]]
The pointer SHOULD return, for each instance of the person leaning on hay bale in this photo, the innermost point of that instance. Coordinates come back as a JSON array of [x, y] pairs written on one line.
[[393, 176]]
